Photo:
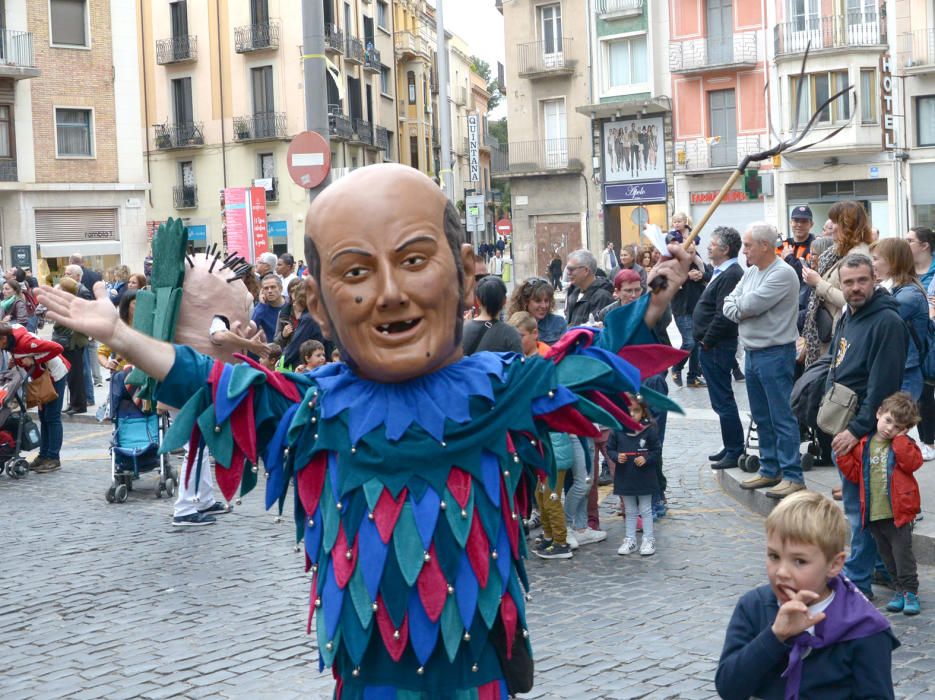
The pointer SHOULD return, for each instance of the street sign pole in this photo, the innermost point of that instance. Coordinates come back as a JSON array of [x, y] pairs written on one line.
[[313, 57]]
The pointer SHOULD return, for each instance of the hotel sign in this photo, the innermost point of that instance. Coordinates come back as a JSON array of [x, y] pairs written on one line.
[[886, 97]]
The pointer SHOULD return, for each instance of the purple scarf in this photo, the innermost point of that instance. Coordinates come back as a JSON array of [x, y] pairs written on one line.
[[850, 616]]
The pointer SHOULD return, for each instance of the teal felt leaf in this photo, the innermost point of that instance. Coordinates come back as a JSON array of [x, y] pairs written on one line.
[[354, 636], [327, 654], [220, 443], [248, 479], [488, 598], [451, 628], [459, 519], [372, 491], [408, 545], [330, 520], [357, 589], [595, 413], [660, 402], [180, 431], [242, 378], [394, 590], [577, 371]]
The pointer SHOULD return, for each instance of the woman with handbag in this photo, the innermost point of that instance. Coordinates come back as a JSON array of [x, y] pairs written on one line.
[[47, 370], [851, 234]]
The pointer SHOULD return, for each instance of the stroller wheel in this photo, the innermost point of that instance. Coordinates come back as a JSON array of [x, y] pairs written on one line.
[[170, 487], [17, 468], [120, 494], [751, 464], [808, 461], [159, 487], [814, 449], [110, 495], [742, 462]]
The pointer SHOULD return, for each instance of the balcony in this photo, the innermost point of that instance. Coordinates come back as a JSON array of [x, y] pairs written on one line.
[[372, 62], [363, 131], [618, 9], [853, 30], [259, 127], [8, 171], [410, 46], [272, 195], [382, 141], [256, 37], [354, 50], [701, 55], [17, 58], [334, 39], [545, 59], [459, 95], [340, 127], [184, 135], [708, 154], [918, 50], [545, 157], [433, 81], [178, 49], [185, 196]]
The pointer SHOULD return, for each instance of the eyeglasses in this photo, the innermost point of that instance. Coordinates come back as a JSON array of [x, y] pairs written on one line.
[[571, 268]]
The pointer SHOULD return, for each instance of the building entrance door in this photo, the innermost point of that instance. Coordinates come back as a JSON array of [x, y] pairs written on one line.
[[720, 31], [722, 118]]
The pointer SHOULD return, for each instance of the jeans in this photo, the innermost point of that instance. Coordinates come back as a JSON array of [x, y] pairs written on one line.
[[89, 357], [50, 423], [863, 555], [769, 387], [912, 382], [643, 503], [684, 324], [716, 363], [576, 500]]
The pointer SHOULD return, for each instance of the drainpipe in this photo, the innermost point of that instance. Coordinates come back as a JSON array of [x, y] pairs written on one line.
[[587, 214], [149, 172], [217, 17]]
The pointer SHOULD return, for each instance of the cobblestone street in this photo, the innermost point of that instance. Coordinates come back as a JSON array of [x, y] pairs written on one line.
[[108, 601]]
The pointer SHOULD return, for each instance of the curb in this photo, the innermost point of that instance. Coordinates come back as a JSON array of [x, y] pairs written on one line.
[[82, 418], [923, 543]]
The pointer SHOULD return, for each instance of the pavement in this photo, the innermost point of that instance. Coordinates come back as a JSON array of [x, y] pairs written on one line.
[[109, 601]]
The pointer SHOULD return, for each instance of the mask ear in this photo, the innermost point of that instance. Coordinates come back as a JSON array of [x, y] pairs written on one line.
[[316, 307], [467, 265]]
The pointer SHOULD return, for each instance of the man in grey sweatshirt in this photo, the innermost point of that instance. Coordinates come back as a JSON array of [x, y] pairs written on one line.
[[764, 304]]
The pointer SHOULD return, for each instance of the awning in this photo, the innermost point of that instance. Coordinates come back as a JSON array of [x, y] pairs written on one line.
[[63, 250]]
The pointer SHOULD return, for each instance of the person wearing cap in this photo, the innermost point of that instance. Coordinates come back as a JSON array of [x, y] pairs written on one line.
[[798, 246]]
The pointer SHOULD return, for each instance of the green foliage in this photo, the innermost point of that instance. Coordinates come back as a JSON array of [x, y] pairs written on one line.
[[482, 68]]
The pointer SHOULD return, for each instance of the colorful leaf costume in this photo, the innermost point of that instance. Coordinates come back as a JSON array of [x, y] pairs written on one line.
[[408, 496]]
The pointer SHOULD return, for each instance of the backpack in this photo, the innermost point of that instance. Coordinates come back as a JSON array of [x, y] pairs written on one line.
[[926, 348], [30, 300], [808, 391]]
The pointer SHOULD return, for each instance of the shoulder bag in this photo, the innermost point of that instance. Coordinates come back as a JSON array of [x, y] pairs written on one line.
[[839, 404], [40, 390]]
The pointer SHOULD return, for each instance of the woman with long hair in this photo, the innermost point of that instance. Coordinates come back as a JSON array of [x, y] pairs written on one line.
[[486, 332], [14, 307], [921, 240], [536, 296], [894, 268], [628, 261], [136, 282], [851, 234]]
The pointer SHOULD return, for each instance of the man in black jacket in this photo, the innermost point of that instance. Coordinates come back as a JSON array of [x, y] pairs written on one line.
[[868, 354], [717, 337], [683, 306], [587, 294]]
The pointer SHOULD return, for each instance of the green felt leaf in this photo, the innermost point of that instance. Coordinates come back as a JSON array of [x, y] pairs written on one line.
[[242, 378], [451, 628], [353, 636], [220, 443], [596, 414], [329, 519], [576, 371], [357, 589], [460, 524], [248, 480], [372, 491], [180, 431], [488, 598], [145, 308], [660, 402], [408, 546]]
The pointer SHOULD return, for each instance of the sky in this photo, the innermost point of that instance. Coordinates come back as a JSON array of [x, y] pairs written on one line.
[[480, 24]]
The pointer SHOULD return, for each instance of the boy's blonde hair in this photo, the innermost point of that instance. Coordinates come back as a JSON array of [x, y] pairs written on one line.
[[523, 320], [808, 517], [902, 408]]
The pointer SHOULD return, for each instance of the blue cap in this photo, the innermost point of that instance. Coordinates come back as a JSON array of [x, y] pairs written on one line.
[[802, 212]]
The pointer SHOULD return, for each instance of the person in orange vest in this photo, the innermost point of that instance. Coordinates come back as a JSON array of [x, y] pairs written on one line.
[[797, 247]]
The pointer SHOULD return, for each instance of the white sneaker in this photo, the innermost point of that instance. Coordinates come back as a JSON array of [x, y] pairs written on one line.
[[571, 539], [628, 546], [928, 453], [589, 536], [648, 548]]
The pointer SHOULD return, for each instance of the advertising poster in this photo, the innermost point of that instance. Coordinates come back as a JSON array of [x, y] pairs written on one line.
[[237, 223], [633, 150], [259, 230]]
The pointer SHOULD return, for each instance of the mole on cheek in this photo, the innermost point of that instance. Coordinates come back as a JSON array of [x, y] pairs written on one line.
[[358, 299]]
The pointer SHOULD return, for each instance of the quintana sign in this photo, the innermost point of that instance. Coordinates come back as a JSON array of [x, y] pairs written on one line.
[[474, 147]]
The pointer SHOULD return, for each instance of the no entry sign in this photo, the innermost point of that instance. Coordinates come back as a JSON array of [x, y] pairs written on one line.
[[308, 159]]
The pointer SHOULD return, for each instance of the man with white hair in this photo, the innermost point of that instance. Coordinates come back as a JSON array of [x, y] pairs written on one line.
[[764, 305], [587, 294], [265, 264], [88, 276]]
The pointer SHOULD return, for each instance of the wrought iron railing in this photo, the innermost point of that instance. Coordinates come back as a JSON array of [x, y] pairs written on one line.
[[177, 49], [263, 125], [835, 31], [182, 135], [407, 42], [372, 60], [698, 54], [185, 196], [334, 38], [535, 156], [918, 48], [363, 131], [611, 7], [355, 50], [16, 49], [545, 56], [340, 126], [8, 171], [382, 141], [459, 95], [256, 37], [710, 153]]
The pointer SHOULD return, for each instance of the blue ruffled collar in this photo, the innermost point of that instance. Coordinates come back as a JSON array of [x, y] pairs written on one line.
[[426, 401]]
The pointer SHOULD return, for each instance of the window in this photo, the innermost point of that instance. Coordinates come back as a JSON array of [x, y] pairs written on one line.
[[178, 18], [266, 166], [868, 95], [818, 88], [411, 80], [385, 80], [925, 120], [262, 80], [73, 133], [551, 26], [414, 151], [626, 62], [6, 131], [382, 12], [68, 22]]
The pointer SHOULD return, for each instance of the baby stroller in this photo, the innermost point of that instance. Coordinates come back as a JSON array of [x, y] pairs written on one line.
[[748, 461], [18, 432], [135, 445]]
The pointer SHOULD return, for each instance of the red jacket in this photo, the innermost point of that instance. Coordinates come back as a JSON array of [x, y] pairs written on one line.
[[904, 458], [25, 344]]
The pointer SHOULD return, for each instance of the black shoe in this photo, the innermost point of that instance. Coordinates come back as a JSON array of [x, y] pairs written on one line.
[[677, 378], [193, 520], [71, 410], [717, 456], [555, 551], [217, 508], [605, 478], [696, 383], [738, 375], [725, 463]]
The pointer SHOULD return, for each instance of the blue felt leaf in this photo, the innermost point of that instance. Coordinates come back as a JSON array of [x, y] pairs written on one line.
[[490, 473], [224, 404], [372, 555], [313, 536], [426, 513], [547, 404], [423, 633], [379, 692], [332, 600], [504, 555], [466, 588]]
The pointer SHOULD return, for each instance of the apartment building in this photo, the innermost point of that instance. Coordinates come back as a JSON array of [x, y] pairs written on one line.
[[555, 205], [417, 84], [223, 93], [67, 89], [914, 22], [717, 56]]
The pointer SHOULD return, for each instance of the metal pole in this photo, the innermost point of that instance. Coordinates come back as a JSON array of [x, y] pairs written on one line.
[[444, 115], [316, 88]]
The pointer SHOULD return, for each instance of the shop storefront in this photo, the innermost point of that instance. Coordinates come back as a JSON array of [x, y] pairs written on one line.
[[922, 197], [92, 233], [820, 196]]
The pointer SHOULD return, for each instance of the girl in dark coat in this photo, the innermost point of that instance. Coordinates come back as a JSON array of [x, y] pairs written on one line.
[[636, 455]]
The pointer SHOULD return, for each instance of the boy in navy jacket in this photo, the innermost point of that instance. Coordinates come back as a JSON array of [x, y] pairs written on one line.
[[809, 633]]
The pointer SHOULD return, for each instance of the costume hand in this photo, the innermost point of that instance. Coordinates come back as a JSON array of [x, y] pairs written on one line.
[[95, 319], [621, 458], [640, 461], [793, 617], [810, 277], [674, 270], [250, 339], [843, 442]]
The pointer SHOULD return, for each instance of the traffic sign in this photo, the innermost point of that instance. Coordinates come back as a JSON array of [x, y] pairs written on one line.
[[308, 159], [505, 227]]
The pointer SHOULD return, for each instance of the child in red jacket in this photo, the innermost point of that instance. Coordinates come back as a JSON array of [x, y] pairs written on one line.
[[882, 464]]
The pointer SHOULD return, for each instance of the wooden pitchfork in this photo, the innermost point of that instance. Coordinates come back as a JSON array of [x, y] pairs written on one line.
[[792, 145]]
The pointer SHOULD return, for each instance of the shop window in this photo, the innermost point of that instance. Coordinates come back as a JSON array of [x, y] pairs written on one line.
[[925, 120]]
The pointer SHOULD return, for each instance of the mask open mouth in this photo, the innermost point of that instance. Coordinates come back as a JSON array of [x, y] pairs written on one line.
[[398, 326]]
